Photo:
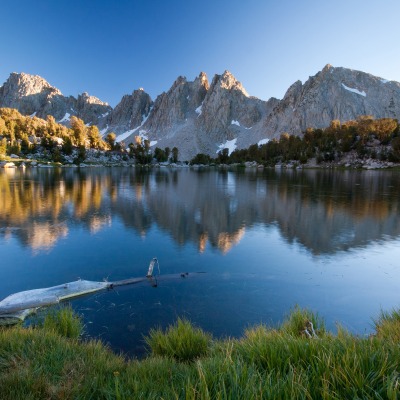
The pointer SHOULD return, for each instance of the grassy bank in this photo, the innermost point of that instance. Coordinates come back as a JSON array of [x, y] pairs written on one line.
[[298, 360]]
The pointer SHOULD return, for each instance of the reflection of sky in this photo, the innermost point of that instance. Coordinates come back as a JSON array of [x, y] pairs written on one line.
[[231, 184], [350, 286], [259, 280]]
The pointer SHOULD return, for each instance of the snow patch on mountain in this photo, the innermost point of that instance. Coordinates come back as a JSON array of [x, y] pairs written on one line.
[[229, 144], [356, 91], [124, 135], [198, 109], [104, 130], [263, 141], [235, 122], [65, 118], [145, 118]]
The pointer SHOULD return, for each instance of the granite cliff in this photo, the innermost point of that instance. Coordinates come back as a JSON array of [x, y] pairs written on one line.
[[333, 93]]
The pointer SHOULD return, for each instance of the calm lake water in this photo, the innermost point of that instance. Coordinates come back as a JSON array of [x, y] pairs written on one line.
[[267, 240]]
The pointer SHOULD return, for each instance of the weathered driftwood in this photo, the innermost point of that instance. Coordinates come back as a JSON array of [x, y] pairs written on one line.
[[18, 306], [47, 296]]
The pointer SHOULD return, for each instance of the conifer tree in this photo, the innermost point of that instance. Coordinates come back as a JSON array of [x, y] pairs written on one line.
[[94, 137], [79, 131], [110, 139]]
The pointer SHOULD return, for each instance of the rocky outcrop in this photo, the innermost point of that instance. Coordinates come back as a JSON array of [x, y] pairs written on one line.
[[130, 112], [170, 121], [171, 109], [227, 101], [20, 86], [228, 112], [91, 109], [333, 93], [198, 117], [33, 95]]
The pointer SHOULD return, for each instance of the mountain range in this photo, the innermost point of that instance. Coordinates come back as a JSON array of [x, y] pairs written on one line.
[[202, 117]]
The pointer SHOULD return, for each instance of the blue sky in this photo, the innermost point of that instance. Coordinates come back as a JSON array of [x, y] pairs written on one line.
[[110, 48]]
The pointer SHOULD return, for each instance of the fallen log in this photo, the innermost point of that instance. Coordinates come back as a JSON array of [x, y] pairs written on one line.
[[18, 306]]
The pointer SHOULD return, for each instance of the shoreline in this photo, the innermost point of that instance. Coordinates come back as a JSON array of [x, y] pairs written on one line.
[[354, 164], [298, 359]]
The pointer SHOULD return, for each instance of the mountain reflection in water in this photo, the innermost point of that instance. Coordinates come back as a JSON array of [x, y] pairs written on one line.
[[267, 240], [325, 211]]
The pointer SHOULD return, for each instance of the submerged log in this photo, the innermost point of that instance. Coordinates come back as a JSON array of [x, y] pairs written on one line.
[[18, 306]]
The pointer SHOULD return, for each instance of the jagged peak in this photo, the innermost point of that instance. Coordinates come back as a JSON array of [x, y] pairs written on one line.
[[24, 75], [139, 94], [295, 85], [180, 80], [227, 74], [140, 91], [327, 67], [202, 75], [87, 98], [229, 82], [202, 79], [29, 84], [294, 90]]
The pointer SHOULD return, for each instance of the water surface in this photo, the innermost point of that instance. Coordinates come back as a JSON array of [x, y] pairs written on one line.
[[267, 240]]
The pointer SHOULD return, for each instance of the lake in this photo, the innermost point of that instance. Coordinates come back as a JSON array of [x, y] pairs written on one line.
[[266, 240]]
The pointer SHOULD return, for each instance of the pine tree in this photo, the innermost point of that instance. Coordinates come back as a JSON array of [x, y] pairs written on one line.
[[94, 137], [78, 131], [110, 139], [175, 153]]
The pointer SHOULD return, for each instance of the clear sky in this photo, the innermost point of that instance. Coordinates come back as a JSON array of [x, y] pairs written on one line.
[[111, 47]]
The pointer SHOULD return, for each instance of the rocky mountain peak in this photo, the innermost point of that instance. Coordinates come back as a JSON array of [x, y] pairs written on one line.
[[31, 94], [229, 82], [171, 112], [130, 112], [171, 108], [180, 80], [203, 80], [199, 117], [327, 68], [86, 98], [333, 93], [227, 111], [294, 90], [139, 92], [20, 85], [90, 108], [30, 84]]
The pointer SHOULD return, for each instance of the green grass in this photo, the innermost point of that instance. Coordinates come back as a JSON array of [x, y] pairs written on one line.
[[388, 325], [64, 322], [181, 341], [186, 363]]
